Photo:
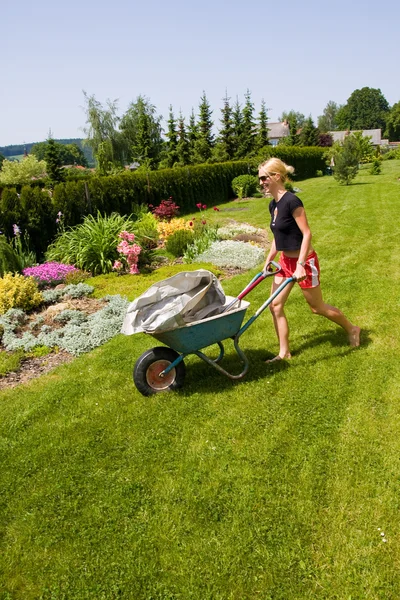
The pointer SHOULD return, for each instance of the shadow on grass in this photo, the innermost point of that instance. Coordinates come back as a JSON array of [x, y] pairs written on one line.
[[207, 379]]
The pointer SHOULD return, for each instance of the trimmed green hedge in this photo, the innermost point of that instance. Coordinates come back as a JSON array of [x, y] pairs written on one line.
[[35, 210]]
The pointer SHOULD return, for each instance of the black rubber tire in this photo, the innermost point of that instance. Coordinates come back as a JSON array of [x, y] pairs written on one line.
[[151, 361]]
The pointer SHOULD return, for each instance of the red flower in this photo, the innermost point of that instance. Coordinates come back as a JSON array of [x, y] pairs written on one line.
[[216, 208], [199, 205], [204, 222], [204, 206], [191, 223]]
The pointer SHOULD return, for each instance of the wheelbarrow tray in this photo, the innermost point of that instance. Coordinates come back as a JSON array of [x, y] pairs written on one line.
[[200, 334]]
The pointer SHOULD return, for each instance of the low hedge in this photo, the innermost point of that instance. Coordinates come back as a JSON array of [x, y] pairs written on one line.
[[35, 210]]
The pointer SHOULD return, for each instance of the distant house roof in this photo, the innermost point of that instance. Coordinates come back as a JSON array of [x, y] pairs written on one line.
[[132, 167], [278, 130], [374, 134]]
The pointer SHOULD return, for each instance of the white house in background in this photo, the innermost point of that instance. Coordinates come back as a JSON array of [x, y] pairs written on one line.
[[374, 134], [277, 131]]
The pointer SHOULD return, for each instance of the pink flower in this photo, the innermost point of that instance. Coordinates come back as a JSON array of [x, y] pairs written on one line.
[[199, 205], [204, 206], [134, 270], [117, 265]]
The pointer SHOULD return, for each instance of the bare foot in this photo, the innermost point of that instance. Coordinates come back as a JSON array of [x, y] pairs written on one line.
[[287, 356], [354, 336]]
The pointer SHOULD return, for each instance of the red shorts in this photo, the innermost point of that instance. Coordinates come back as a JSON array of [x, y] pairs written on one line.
[[289, 265]]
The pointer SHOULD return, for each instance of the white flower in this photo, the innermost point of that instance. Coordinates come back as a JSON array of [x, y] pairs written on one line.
[[232, 254]]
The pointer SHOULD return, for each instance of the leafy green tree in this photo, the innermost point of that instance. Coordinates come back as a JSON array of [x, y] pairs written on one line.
[[327, 121], [182, 147], [70, 154], [1, 159], [262, 133], [393, 123], [102, 131], [247, 136], [205, 137], [309, 134], [226, 142], [366, 108], [296, 121], [345, 160], [294, 116], [141, 130], [365, 150], [17, 173], [53, 162]]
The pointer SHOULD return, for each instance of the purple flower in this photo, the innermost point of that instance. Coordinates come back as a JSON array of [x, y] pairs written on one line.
[[16, 230], [51, 273]]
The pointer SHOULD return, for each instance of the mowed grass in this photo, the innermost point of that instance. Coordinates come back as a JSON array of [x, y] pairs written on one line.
[[277, 487]]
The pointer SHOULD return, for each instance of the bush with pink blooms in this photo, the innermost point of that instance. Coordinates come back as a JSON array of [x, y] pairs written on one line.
[[129, 254], [49, 273]]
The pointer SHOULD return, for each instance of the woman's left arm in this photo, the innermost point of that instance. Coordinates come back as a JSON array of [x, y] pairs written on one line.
[[299, 215]]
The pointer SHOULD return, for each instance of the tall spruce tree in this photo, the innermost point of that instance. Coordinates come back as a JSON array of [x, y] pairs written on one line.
[[237, 117], [205, 137], [226, 133], [192, 136], [172, 136], [247, 137], [309, 134], [141, 130], [262, 133], [183, 146], [53, 161]]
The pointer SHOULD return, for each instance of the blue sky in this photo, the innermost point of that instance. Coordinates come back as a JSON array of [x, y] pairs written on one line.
[[294, 55]]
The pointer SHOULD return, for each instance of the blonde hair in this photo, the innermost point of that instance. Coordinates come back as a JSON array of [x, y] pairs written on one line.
[[276, 165]]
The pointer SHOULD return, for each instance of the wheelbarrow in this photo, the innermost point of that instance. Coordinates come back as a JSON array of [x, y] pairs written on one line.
[[162, 368]]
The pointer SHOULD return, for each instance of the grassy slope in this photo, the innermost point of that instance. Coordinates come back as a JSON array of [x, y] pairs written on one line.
[[274, 487]]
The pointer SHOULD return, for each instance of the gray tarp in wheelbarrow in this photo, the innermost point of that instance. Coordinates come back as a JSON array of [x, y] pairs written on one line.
[[184, 298]]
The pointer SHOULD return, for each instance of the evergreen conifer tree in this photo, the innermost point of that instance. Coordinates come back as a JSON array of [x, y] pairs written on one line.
[[346, 160], [237, 117], [262, 133], [205, 137], [309, 134], [247, 138], [183, 146], [53, 162], [192, 136], [172, 136], [226, 133]]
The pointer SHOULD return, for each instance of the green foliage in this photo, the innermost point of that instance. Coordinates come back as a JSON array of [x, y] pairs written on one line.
[[346, 159], [327, 121], [178, 242], [9, 262], [246, 138], [92, 245], [10, 361], [17, 291], [53, 162], [261, 139], [365, 150], [38, 217], [393, 123], [70, 154], [245, 186], [309, 134], [205, 137], [141, 131], [76, 276], [375, 168], [366, 108], [306, 161], [10, 210], [146, 231], [17, 173]]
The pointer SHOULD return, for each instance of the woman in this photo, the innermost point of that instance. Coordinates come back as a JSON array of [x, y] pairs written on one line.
[[292, 237]]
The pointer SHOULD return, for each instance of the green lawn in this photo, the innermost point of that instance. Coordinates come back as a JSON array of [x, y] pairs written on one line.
[[278, 487]]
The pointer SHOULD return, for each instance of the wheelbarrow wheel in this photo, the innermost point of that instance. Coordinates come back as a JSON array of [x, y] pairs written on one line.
[[146, 374]]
